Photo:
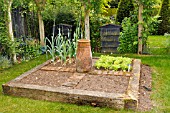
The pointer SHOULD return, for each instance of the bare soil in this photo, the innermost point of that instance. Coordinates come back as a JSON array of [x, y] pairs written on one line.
[[145, 89], [58, 75]]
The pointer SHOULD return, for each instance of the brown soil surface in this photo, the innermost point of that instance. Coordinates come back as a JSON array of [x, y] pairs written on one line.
[[110, 84], [66, 76], [145, 89]]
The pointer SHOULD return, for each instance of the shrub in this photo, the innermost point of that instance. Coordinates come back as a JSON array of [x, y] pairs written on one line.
[[27, 49], [4, 40], [164, 26], [96, 21], [4, 62], [128, 37], [124, 8]]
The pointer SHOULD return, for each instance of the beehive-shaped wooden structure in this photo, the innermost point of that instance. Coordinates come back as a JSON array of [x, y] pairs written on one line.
[[109, 38]]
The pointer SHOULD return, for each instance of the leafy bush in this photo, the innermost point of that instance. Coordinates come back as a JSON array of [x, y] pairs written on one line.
[[113, 63], [96, 21], [124, 8], [4, 62], [129, 34], [28, 49], [5, 43], [164, 26], [128, 37]]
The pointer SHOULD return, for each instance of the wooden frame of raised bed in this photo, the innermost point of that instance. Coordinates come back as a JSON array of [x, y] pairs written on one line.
[[128, 100]]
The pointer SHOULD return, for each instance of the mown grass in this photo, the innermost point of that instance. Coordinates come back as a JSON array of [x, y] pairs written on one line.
[[157, 41], [159, 45]]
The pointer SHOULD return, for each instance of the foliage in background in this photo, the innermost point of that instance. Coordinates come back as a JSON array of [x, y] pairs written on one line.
[[27, 49], [97, 6], [3, 30], [129, 34], [114, 63], [24, 50], [6, 45], [4, 40], [128, 37], [149, 20], [114, 3], [61, 8], [57, 12], [111, 12], [96, 21], [156, 10], [164, 26], [124, 9], [61, 17], [25, 20]]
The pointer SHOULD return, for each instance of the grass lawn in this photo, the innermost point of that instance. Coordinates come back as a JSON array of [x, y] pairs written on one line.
[[157, 41], [158, 45]]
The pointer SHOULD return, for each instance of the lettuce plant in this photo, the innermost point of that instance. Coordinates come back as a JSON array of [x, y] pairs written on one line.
[[113, 63]]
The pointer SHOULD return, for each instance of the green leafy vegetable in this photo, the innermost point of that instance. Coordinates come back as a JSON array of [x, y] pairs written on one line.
[[113, 63]]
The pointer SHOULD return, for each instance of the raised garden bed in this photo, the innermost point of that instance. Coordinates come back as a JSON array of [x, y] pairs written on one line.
[[103, 88]]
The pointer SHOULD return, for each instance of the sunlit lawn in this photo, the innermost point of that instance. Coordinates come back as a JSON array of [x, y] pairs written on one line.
[[157, 41], [158, 45]]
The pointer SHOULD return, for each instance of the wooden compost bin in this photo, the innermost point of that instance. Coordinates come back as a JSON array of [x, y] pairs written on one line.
[[109, 38], [65, 29]]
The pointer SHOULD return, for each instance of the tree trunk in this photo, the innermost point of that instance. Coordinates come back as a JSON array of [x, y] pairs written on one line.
[[140, 28], [86, 20], [87, 25], [10, 30], [41, 28]]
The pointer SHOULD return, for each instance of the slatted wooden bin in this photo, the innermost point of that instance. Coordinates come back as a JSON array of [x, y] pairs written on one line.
[[109, 38], [65, 29]]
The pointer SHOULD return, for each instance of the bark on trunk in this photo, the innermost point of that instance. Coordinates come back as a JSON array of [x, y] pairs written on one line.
[[41, 28], [41, 4], [140, 28], [11, 35], [87, 25], [86, 20]]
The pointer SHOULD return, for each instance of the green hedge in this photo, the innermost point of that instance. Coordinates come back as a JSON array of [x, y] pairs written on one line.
[[124, 8], [164, 26]]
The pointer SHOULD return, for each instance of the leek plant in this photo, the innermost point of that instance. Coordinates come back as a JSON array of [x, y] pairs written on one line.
[[62, 47], [51, 48]]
